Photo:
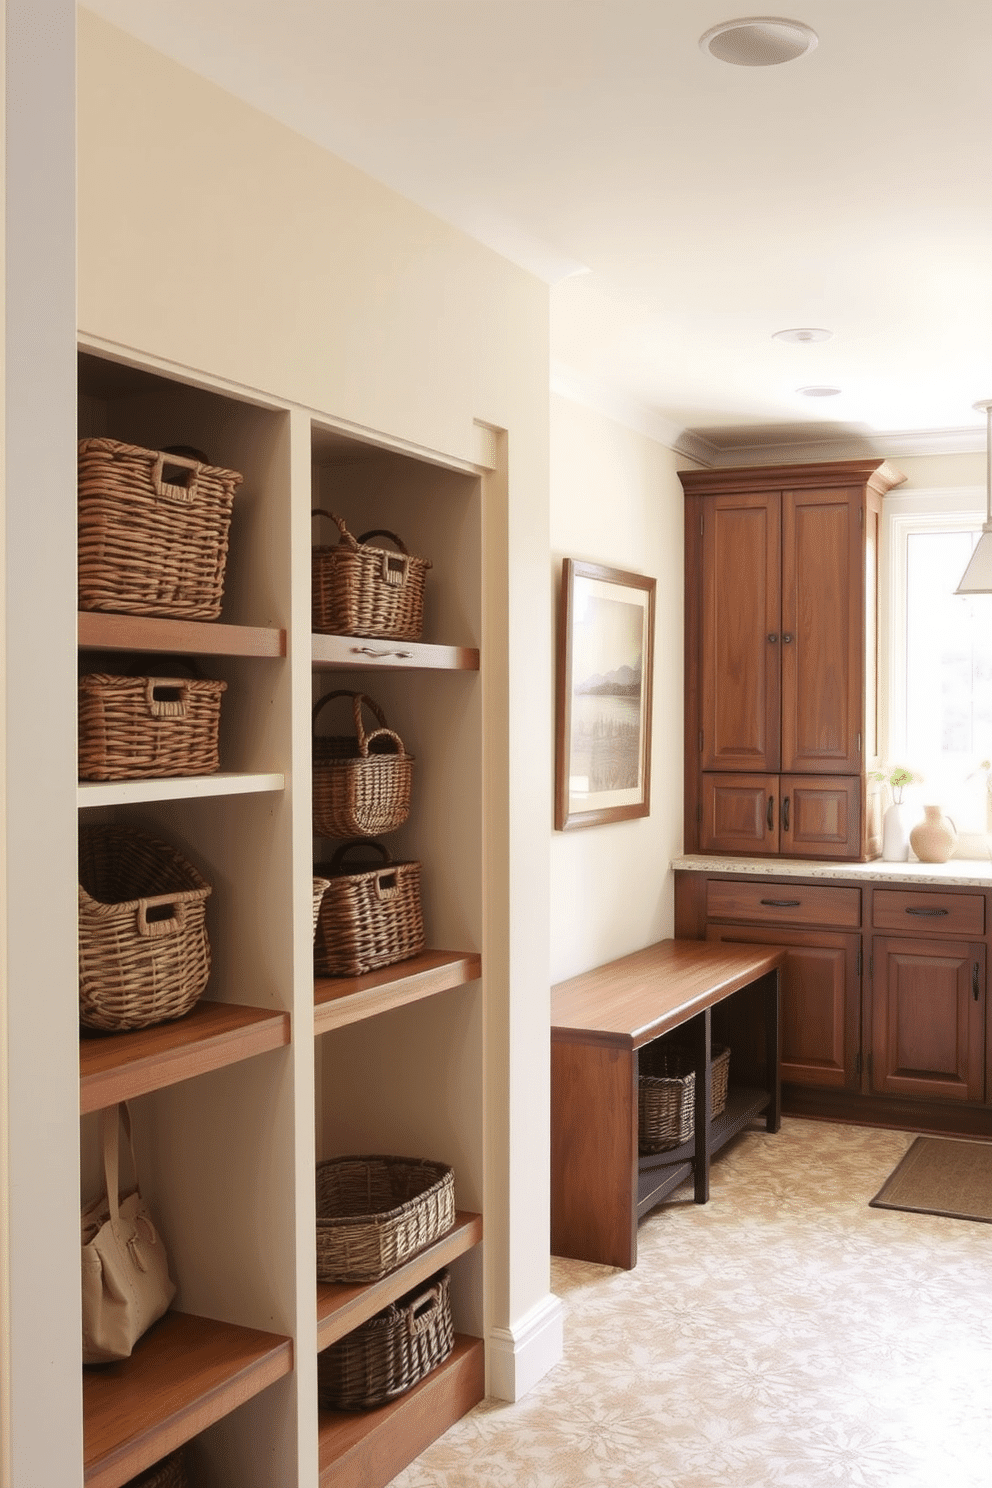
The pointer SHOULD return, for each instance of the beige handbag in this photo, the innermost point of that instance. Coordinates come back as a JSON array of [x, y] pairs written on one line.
[[126, 1282]]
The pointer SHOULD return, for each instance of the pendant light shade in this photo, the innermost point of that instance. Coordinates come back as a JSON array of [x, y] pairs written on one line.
[[977, 577]]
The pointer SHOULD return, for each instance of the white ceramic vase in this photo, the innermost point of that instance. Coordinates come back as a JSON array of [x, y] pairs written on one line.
[[897, 821]]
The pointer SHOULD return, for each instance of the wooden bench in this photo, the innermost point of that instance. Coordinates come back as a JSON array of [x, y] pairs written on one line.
[[600, 1186]]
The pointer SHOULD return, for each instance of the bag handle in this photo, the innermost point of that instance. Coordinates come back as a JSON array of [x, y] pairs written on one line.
[[364, 739], [111, 1119], [346, 537], [339, 855]]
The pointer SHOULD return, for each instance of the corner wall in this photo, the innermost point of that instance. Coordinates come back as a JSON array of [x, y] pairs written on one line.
[[616, 499]]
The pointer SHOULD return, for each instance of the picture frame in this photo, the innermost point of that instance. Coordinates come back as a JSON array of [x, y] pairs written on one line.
[[603, 715]]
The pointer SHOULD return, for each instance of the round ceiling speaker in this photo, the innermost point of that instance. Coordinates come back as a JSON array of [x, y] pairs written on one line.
[[758, 41]]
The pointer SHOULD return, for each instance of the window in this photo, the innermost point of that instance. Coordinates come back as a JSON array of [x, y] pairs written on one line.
[[938, 719]]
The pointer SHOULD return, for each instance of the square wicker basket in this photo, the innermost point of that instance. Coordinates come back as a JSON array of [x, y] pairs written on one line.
[[370, 916], [374, 1212], [140, 728], [362, 590], [392, 1352], [666, 1094]]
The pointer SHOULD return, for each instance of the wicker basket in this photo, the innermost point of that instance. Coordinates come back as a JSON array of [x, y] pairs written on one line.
[[390, 1353], [143, 952], [666, 1093], [369, 916], [319, 888], [153, 531], [365, 591], [169, 1473], [137, 728], [361, 781], [374, 1213]]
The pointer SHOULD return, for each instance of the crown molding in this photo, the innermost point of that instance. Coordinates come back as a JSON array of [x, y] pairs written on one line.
[[628, 412]]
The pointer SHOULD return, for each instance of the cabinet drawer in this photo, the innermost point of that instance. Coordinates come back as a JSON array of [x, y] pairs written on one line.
[[784, 904], [915, 909]]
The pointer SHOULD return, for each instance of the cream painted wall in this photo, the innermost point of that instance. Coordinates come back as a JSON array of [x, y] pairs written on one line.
[[616, 499]]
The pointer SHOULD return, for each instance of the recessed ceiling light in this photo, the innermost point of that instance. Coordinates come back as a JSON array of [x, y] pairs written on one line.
[[818, 391], [802, 333], [758, 41]]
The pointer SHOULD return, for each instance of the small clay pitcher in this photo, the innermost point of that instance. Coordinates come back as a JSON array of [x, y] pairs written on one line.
[[935, 837]]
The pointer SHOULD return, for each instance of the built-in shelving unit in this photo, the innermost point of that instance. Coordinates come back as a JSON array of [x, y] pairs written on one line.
[[185, 1374], [121, 1066], [342, 1000]]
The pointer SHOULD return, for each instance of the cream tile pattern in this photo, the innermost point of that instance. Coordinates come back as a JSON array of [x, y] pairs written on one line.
[[785, 1335]]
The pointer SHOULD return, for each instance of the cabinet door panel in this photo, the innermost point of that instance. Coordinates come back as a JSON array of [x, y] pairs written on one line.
[[739, 814], [821, 817], [741, 607], [822, 612], [821, 1002], [927, 1023]]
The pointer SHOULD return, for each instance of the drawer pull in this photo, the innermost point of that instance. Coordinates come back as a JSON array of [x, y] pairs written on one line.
[[974, 980], [783, 903], [771, 812], [931, 913]]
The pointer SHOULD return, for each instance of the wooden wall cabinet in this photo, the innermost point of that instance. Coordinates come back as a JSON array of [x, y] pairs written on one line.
[[780, 665], [884, 991]]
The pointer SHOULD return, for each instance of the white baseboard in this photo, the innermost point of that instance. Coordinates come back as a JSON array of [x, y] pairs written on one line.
[[522, 1354]]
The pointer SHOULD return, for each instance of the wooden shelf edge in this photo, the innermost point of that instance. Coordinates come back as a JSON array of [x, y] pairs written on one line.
[[651, 1190], [367, 1449], [359, 651], [342, 1000], [178, 787], [184, 1375], [99, 630], [120, 1066], [341, 1307]]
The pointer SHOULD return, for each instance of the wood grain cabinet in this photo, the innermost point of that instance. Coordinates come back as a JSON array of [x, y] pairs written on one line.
[[781, 603], [884, 996]]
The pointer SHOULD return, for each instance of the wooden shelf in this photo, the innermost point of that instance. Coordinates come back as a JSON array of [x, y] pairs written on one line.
[[366, 1449], [342, 1000], [342, 1307], [117, 1066], [355, 651], [655, 1183], [185, 1373], [178, 788], [97, 631]]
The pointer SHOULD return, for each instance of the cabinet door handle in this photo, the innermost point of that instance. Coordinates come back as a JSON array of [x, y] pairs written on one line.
[[785, 815], [772, 637], [930, 913], [974, 980], [771, 812], [783, 903], [786, 639]]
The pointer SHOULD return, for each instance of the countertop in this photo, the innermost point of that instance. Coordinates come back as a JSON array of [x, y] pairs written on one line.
[[971, 872]]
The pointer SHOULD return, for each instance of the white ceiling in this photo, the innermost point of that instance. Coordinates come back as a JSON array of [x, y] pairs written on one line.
[[682, 209]]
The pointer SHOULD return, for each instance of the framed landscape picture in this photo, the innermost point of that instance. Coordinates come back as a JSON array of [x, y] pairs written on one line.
[[603, 735]]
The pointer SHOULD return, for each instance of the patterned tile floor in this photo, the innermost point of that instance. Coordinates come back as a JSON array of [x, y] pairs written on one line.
[[785, 1335]]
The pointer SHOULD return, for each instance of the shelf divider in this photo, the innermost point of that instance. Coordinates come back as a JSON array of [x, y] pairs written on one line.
[[100, 631], [331, 651], [186, 1373], [118, 1066], [366, 1449], [342, 1000], [343, 1306]]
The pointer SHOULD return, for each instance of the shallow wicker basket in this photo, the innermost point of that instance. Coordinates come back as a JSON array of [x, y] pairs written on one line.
[[666, 1092], [138, 728], [386, 1356], [374, 1212], [370, 916], [144, 957], [319, 887], [362, 590], [153, 531], [169, 1473], [362, 781]]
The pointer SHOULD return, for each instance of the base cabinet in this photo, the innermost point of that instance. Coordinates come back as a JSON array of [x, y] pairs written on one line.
[[884, 1016]]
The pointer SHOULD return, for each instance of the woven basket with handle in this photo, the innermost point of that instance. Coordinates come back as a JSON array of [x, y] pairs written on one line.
[[153, 531], [144, 957], [362, 781], [139, 728], [375, 1212], [386, 1356], [370, 916], [666, 1093], [363, 590]]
